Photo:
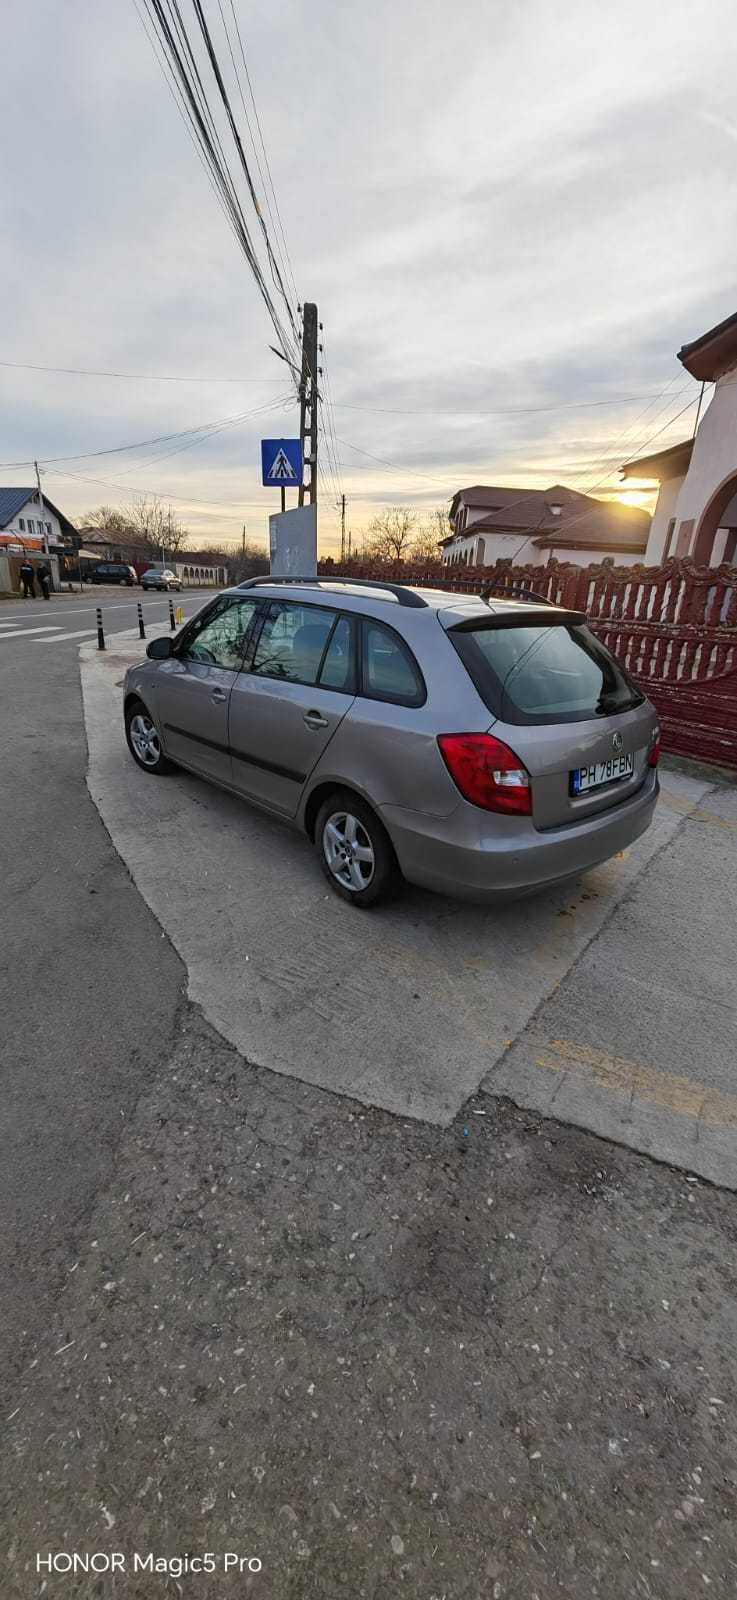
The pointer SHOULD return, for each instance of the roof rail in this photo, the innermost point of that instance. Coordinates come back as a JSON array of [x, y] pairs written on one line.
[[405, 596], [500, 592]]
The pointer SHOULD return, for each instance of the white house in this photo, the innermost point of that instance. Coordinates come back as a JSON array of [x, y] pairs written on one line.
[[696, 511], [532, 526], [23, 520], [28, 529]]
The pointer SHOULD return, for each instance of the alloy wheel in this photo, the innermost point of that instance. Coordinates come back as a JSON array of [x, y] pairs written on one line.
[[348, 851], [145, 739]]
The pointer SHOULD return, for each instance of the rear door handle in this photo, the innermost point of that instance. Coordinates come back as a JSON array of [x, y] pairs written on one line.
[[312, 719], [218, 694]]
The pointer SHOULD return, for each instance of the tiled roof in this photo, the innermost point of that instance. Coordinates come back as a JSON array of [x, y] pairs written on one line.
[[581, 516], [12, 501]]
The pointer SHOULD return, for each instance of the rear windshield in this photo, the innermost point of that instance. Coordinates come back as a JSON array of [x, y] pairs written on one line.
[[539, 674]]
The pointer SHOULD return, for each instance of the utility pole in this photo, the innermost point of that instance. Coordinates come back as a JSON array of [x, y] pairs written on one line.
[[243, 541], [342, 527], [308, 398], [43, 517]]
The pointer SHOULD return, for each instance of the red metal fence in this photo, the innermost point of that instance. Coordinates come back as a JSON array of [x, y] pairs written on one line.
[[673, 627]]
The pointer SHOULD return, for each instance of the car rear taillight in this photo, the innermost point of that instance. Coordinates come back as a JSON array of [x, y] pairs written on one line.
[[653, 755], [487, 772]]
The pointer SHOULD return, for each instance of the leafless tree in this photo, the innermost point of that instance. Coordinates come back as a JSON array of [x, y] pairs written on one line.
[[391, 534], [106, 517], [397, 535], [426, 543], [155, 525]]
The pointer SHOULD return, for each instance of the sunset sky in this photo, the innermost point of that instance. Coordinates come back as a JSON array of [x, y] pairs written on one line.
[[508, 215]]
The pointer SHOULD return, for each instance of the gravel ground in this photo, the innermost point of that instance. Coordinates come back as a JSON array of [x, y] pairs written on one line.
[[381, 1358]]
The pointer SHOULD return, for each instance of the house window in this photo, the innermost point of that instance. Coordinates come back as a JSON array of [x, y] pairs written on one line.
[[48, 528], [21, 525], [669, 538]]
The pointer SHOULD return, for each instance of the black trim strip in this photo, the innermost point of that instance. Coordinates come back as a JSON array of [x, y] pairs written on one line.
[[212, 744], [269, 766], [238, 755]]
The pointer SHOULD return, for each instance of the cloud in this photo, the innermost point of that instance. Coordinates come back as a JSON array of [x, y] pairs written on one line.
[[496, 207]]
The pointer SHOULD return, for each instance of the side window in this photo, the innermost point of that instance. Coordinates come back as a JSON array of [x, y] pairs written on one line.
[[292, 642], [220, 639], [389, 671], [338, 671]]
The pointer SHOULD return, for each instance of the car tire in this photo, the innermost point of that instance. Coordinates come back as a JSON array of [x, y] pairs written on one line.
[[143, 741], [343, 821]]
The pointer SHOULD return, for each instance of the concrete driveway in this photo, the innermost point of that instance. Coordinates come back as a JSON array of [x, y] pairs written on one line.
[[604, 1004]]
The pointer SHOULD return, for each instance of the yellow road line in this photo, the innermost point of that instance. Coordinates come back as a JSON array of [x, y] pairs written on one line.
[[687, 1097], [693, 813]]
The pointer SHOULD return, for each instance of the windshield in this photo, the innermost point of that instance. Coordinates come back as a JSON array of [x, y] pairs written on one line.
[[539, 674]]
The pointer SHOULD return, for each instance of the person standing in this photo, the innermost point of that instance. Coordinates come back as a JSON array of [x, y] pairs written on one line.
[[44, 578], [26, 578]]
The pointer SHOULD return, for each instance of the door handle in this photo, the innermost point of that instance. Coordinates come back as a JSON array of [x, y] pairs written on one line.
[[218, 694], [312, 719]]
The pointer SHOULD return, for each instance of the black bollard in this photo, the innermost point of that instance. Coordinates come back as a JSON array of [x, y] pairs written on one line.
[[141, 629], [100, 634], [172, 619]]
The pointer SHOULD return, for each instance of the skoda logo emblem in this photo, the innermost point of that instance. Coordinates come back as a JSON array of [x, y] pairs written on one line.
[[617, 742]]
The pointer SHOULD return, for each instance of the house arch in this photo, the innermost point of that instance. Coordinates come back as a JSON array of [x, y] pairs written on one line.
[[719, 512]]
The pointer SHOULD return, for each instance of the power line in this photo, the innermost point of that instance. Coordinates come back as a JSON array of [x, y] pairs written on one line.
[[159, 494], [166, 19], [266, 158], [149, 461], [275, 272], [140, 377], [513, 411], [280, 242], [204, 429], [329, 410], [391, 464]]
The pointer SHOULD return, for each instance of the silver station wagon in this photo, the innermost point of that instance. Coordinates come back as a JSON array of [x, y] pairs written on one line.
[[484, 748]]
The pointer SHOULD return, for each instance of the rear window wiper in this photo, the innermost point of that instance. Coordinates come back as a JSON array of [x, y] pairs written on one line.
[[608, 705]]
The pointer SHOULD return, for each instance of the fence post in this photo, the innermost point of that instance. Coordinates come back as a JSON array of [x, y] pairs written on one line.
[[172, 621], [100, 634], [141, 629]]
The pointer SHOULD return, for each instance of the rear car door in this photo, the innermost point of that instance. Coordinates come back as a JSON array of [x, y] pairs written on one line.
[[193, 687], [289, 700]]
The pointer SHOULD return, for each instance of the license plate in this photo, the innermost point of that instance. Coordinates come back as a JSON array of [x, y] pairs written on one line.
[[601, 772]]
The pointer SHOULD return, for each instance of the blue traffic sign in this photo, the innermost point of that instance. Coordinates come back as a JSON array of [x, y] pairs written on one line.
[[281, 463]]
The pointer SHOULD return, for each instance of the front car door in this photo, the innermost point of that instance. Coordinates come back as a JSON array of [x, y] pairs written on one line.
[[289, 700], [193, 687]]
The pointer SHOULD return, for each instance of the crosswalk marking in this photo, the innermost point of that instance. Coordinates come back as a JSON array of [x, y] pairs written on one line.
[[24, 633], [81, 633]]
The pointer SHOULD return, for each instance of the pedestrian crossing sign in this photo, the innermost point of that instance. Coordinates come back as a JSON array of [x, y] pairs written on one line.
[[281, 463]]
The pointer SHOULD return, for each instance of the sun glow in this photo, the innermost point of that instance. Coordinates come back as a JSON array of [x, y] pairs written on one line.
[[642, 498]]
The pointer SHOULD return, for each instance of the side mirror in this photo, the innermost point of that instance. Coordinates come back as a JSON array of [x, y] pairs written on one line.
[[159, 649]]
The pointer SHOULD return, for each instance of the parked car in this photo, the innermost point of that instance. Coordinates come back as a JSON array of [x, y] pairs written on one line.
[[113, 572], [160, 578], [481, 748]]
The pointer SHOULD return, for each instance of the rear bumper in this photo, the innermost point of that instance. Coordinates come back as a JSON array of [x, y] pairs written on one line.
[[473, 855]]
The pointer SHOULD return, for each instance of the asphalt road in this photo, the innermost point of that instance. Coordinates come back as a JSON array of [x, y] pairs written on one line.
[[89, 988]]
